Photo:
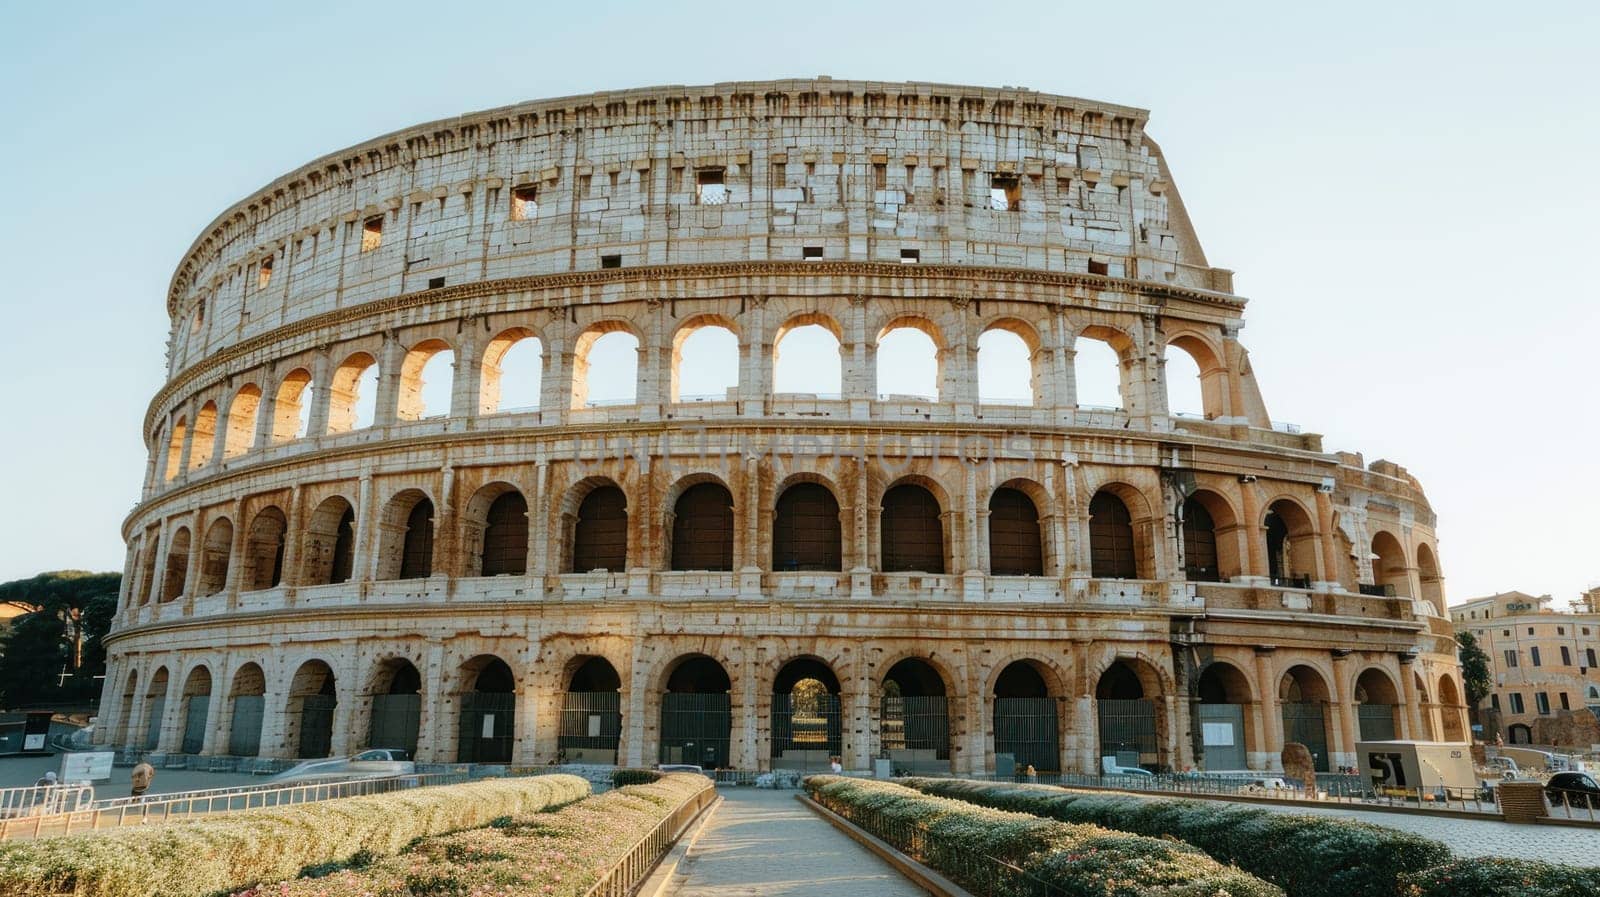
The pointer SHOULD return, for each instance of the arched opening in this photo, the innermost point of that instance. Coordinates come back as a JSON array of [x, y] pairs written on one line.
[[1005, 369], [396, 697], [214, 559], [1291, 545], [329, 543], [499, 514], [1016, 543], [1303, 701], [155, 709], [427, 377], [702, 528], [600, 532], [353, 394], [263, 555], [914, 718], [807, 730], [1428, 575], [1027, 726], [911, 531], [309, 715], [247, 699], [513, 373], [196, 707], [805, 529], [242, 413], [908, 361], [177, 568], [1185, 398], [1518, 733], [705, 362], [405, 537], [1097, 371], [1377, 706], [1130, 725], [126, 725], [204, 436], [180, 432], [591, 714], [291, 408], [1450, 710], [1112, 553], [488, 711], [806, 358], [697, 713], [1389, 571], [613, 351], [1223, 716], [1200, 562]]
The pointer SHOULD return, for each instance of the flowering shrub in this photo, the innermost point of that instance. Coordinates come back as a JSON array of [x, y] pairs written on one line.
[[224, 852], [559, 854], [1308, 856], [1495, 877], [956, 837]]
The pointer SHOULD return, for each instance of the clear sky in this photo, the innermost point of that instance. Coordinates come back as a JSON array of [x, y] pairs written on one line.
[[1408, 198]]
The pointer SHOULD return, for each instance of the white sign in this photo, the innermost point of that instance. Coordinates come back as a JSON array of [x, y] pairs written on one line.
[[594, 725], [86, 766], [1217, 734], [34, 742], [488, 725]]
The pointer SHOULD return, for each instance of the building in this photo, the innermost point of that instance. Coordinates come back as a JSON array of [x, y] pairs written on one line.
[[799, 563], [1541, 661]]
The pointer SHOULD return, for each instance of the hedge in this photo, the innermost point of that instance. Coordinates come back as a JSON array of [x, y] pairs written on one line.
[[559, 854], [225, 852], [622, 778], [1494, 877], [1306, 855], [1075, 859]]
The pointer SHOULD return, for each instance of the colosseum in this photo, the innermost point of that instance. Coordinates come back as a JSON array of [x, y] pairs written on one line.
[[435, 466]]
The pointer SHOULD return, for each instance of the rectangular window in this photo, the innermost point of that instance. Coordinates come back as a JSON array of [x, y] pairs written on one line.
[[1101, 268], [1506, 633], [524, 203], [1533, 653], [1566, 656], [1005, 192], [1516, 702], [435, 283], [910, 256], [372, 233], [811, 253], [610, 261], [1530, 630], [1561, 630], [1541, 702], [710, 190], [1588, 654], [1511, 657], [264, 274], [1565, 703], [1494, 701], [880, 177]]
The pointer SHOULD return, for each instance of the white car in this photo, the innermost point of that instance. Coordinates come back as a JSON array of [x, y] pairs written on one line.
[[369, 764]]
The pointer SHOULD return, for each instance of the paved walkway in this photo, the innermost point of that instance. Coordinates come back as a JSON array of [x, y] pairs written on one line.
[[1483, 837], [766, 843]]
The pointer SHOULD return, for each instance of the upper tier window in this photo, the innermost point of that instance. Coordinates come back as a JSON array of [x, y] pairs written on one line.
[[524, 203], [372, 233], [709, 187], [1005, 192]]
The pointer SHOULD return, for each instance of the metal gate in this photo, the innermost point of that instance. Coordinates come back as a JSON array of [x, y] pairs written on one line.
[[915, 732], [244, 738], [395, 720], [695, 729], [1028, 729], [1377, 721], [487, 727], [1221, 737], [1128, 726], [1305, 723], [591, 726], [807, 735], [152, 730], [316, 725], [194, 723]]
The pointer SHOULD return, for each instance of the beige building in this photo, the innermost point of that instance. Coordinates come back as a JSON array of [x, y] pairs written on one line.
[[359, 526], [1541, 661]]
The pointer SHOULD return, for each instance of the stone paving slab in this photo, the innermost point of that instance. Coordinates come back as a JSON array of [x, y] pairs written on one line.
[[1482, 837], [764, 843]]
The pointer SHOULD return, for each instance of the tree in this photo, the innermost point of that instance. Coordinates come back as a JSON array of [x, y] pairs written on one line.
[[1474, 670], [52, 652]]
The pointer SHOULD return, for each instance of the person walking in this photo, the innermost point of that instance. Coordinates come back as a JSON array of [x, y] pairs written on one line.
[[142, 776], [835, 765]]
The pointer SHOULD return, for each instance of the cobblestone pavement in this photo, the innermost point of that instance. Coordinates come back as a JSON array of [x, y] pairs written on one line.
[[765, 843], [1474, 837]]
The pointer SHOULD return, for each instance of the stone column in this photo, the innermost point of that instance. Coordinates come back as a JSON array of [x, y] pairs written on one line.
[[1330, 551], [859, 355], [432, 742], [322, 395], [345, 695], [386, 405], [158, 575], [169, 739], [266, 412], [187, 452], [361, 567], [1270, 717], [1343, 749], [466, 383], [539, 526], [1255, 561], [754, 358], [1411, 714]]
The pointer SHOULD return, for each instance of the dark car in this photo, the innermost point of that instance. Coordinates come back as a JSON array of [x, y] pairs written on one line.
[[1572, 789]]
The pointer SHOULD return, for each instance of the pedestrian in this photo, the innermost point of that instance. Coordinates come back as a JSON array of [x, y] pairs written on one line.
[[1032, 774], [47, 781], [142, 776], [835, 765]]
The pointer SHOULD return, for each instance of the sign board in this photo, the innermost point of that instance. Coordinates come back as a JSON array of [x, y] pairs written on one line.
[[594, 725], [488, 725], [1217, 734], [33, 741], [88, 766]]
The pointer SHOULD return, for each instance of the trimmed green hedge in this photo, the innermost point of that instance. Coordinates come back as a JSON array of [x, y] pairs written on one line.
[[1308, 856], [226, 852], [622, 778], [1076, 859], [1494, 877]]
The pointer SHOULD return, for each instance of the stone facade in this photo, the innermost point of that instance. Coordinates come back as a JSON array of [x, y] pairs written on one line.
[[1541, 663], [982, 580]]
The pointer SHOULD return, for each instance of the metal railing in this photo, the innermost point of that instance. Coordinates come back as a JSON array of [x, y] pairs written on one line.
[[44, 800], [619, 879], [1576, 805]]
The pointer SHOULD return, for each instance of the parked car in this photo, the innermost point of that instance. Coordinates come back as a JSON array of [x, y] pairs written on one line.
[[1573, 789], [369, 764], [679, 767]]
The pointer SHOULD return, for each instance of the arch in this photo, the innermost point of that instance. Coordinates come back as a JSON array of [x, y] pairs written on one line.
[[1016, 541], [599, 527], [702, 528], [1428, 576], [329, 544], [1006, 372], [1377, 701], [176, 576], [1291, 544], [911, 530], [291, 407], [1196, 378], [308, 723], [910, 359], [1226, 705], [487, 730], [806, 532], [615, 346], [591, 712], [807, 357], [406, 536], [1303, 699], [1389, 569], [155, 708], [512, 373], [1027, 721], [1131, 729], [263, 555], [1113, 553], [497, 525], [215, 556], [696, 713], [395, 696], [352, 393], [807, 730], [180, 433], [1100, 368], [195, 710], [204, 436], [246, 700], [1450, 709], [705, 359], [242, 413], [427, 378], [914, 717], [1519, 733]]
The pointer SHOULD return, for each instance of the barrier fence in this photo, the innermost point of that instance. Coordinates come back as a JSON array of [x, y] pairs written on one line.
[[620, 878]]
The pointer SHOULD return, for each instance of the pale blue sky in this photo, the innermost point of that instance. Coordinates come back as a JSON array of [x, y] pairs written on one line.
[[1405, 195]]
